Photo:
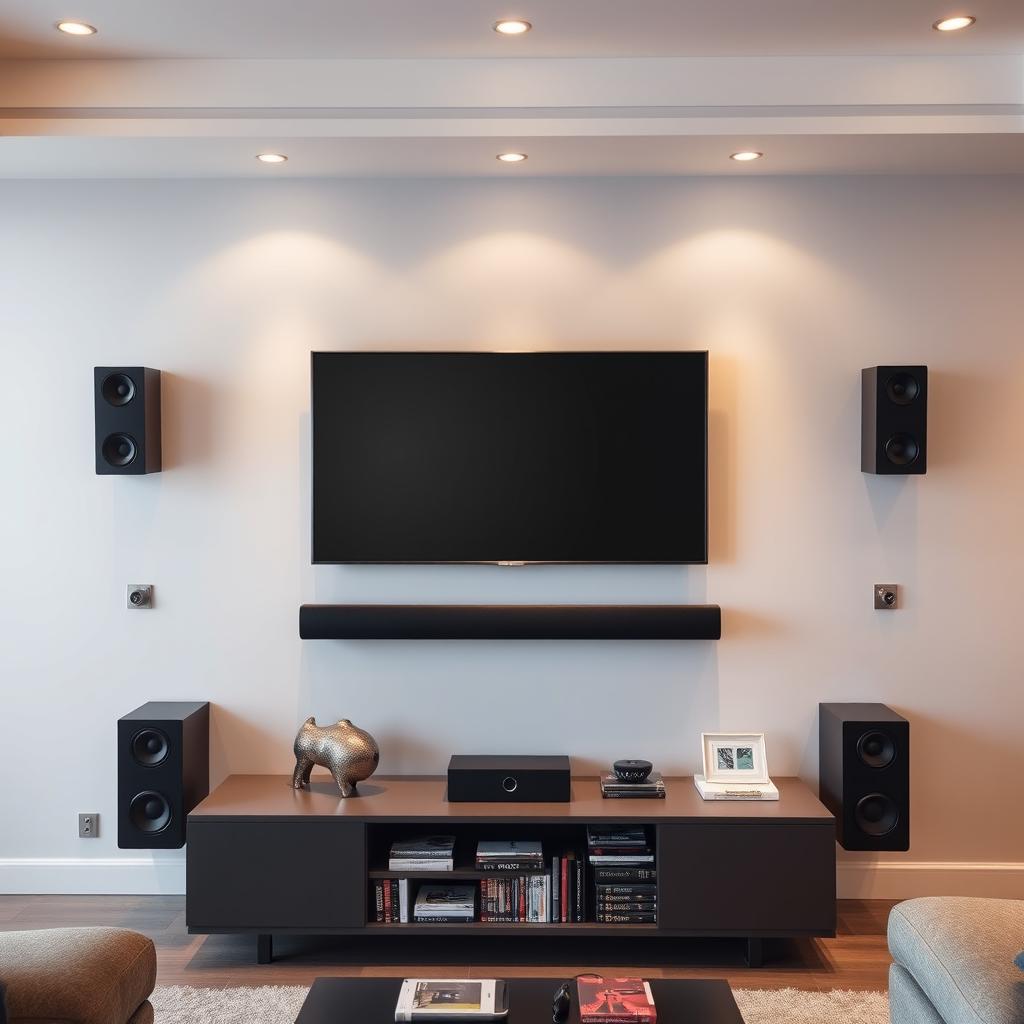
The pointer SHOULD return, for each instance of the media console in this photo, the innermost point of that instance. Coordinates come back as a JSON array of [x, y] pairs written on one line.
[[263, 858]]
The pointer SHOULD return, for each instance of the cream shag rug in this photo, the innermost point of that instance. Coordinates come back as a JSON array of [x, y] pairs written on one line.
[[279, 1004]]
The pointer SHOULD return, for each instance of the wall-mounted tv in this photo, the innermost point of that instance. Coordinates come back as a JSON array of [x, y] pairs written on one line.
[[510, 457]]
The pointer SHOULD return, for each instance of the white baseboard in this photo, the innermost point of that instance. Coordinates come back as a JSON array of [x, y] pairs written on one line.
[[152, 875], [901, 880], [145, 875]]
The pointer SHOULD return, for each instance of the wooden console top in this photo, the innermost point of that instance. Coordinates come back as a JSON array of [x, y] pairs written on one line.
[[386, 798]]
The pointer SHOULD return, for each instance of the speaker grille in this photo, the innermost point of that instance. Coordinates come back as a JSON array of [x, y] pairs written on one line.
[[150, 747], [119, 450], [876, 814], [902, 388], [149, 812], [901, 449], [876, 749], [118, 389]]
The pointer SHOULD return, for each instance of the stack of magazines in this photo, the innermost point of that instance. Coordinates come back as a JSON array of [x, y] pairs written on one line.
[[509, 855], [423, 853], [445, 903], [652, 787], [615, 1000]]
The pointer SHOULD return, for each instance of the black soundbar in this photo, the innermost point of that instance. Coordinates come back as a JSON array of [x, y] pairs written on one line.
[[510, 622]]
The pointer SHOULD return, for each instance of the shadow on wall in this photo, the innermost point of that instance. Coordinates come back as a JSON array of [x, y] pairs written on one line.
[[722, 415]]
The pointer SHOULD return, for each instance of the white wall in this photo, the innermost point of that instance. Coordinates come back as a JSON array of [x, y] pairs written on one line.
[[793, 285]]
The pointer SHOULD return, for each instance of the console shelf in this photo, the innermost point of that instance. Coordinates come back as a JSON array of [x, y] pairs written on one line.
[[510, 622], [264, 858]]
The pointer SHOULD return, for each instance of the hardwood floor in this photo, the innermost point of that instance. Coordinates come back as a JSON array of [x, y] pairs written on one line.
[[856, 958]]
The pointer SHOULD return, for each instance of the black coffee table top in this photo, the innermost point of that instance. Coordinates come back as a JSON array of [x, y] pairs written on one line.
[[372, 1001]]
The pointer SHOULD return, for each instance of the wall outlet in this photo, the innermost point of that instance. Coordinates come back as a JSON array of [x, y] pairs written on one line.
[[886, 596], [89, 825], [140, 595]]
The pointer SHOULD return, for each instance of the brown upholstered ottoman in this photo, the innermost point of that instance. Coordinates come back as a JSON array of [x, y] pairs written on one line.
[[78, 976]]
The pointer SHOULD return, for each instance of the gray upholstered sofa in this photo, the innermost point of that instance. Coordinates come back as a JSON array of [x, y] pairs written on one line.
[[954, 961], [77, 976]]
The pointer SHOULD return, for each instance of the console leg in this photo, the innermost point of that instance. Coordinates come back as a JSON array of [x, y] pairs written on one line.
[[264, 949], [755, 952]]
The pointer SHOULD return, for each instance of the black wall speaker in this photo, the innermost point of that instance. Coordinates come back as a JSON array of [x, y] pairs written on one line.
[[127, 400], [894, 420], [163, 771], [864, 771]]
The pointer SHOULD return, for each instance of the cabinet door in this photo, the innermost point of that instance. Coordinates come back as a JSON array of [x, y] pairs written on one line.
[[747, 879], [270, 875]]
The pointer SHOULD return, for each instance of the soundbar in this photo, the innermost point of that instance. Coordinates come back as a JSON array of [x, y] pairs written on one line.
[[510, 622]]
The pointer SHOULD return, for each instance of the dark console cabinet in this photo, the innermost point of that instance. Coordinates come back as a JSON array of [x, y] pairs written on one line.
[[747, 879], [264, 858], [260, 876]]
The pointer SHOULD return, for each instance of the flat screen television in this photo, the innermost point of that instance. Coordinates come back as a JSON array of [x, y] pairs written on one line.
[[507, 457]]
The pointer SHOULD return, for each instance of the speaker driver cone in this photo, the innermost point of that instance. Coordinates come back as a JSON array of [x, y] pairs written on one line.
[[119, 450], [902, 388], [118, 389], [901, 449], [876, 814], [150, 747], [149, 811], [876, 749]]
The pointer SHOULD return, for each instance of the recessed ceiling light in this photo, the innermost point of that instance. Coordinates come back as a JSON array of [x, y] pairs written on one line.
[[511, 158], [76, 28], [271, 158], [954, 24], [746, 154], [512, 27]]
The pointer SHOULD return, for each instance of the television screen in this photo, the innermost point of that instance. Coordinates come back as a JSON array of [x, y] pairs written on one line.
[[509, 457]]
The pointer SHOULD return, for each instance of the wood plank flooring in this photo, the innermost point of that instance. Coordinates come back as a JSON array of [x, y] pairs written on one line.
[[856, 958]]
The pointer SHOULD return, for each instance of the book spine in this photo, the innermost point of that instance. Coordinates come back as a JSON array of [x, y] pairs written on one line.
[[510, 865], [556, 878], [565, 890], [421, 865], [378, 900], [619, 851], [443, 919], [581, 890], [395, 911], [607, 917], [624, 874], [622, 908], [403, 900], [387, 901], [639, 889]]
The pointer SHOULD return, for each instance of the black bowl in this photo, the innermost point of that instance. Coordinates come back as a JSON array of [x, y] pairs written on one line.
[[632, 770]]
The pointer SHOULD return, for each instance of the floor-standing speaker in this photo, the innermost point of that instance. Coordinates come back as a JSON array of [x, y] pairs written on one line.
[[894, 420], [864, 772], [163, 771], [127, 401]]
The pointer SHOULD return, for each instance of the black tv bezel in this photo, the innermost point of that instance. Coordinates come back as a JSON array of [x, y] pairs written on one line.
[[501, 561]]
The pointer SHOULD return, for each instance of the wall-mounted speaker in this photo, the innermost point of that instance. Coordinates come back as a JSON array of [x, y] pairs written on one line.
[[894, 420], [163, 771], [127, 401], [864, 774]]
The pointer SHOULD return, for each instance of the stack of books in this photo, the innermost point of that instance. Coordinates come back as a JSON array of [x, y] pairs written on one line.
[[653, 787], [423, 853], [625, 876], [438, 904], [391, 901], [516, 899], [509, 855]]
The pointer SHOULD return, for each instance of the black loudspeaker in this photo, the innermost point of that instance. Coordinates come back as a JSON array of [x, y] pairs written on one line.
[[163, 771], [127, 400], [894, 420], [864, 772], [500, 778]]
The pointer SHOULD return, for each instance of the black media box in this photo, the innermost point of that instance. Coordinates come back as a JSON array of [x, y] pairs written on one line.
[[503, 778]]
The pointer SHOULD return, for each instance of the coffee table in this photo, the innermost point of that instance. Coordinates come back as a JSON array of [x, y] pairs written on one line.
[[372, 1001]]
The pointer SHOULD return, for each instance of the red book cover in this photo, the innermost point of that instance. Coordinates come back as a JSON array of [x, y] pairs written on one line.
[[615, 1000]]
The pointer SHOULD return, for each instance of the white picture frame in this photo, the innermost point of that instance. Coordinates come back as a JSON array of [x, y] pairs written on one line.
[[735, 757]]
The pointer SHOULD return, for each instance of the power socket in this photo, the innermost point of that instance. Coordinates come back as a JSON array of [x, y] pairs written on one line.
[[89, 825], [887, 596]]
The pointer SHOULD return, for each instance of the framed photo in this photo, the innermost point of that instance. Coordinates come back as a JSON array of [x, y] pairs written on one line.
[[734, 757]]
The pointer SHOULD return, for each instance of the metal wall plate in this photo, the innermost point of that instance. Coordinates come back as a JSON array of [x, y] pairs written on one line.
[[887, 596], [140, 595]]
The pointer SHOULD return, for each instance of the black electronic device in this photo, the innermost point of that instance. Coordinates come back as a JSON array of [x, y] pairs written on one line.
[[502, 778], [894, 420], [127, 404], [864, 774], [509, 458], [163, 772]]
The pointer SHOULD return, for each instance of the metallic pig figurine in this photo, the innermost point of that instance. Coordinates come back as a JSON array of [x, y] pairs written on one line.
[[348, 753]]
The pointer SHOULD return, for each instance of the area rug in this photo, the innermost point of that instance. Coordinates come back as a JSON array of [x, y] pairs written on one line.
[[279, 1004]]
